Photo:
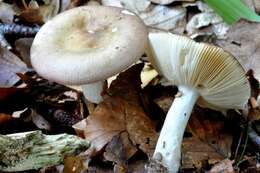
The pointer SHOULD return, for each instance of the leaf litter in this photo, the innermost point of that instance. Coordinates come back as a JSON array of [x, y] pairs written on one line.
[[125, 126]]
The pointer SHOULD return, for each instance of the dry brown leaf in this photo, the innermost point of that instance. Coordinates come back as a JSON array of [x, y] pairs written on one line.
[[23, 46], [6, 92], [73, 164], [31, 15], [121, 112], [115, 152], [39, 14], [156, 16], [243, 41], [10, 64], [196, 153], [212, 131], [7, 12], [39, 121], [4, 118], [254, 114], [114, 116], [128, 84], [225, 166], [257, 5], [49, 9]]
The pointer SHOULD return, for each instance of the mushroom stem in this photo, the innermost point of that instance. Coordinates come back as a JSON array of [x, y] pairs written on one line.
[[92, 91], [168, 147]]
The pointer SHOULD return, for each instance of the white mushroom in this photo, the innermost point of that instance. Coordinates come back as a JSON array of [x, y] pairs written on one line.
[[86, 45], [202, 72]]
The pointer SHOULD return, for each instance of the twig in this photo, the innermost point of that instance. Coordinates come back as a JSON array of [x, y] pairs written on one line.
[[15, 29], [244, 149], [238, 145]]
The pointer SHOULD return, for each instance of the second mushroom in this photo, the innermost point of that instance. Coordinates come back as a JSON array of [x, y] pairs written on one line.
[[203, 73]]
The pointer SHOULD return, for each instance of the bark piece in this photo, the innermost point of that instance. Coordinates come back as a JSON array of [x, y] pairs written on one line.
[[34, 150]]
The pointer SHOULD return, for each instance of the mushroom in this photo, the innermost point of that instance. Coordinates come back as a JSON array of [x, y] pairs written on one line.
[[86, 45], [202, 72]]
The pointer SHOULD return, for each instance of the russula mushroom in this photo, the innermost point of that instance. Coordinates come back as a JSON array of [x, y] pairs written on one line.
[[86, 45], [202, 72]]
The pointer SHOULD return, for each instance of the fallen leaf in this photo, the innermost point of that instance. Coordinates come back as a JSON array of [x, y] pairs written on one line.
[[17, 114], [120, 112], [116, 153], [164, 103], [257, 5], [39, 13], [211, 130], [225, 166], [49, 9], [39, 121], [73, 164], [243, 42], [7, 12], [4, 118], [7, 92], [114, 116], [197, 154], [156, 16], [148, 74], [10, 64], [31, 15], [202, 20], [23, 46]]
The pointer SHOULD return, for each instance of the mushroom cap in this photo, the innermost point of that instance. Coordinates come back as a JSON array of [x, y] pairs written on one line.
[[88, 44], [214, 73]]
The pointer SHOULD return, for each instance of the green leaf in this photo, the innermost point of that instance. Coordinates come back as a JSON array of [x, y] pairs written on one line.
[[232, 10]]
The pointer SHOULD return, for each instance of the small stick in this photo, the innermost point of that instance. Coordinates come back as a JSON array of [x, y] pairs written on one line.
[[15, 29]]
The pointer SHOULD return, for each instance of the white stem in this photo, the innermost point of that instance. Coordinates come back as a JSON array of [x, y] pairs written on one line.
[[168, 147], [92, 91]]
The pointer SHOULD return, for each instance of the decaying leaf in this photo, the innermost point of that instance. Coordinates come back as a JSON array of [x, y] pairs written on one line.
[[31, 115], [115, 152], [23, 46], [211, 130], [148, 74], [225, 166], [7, 12], [201, 20], [10, 64], [197, 154], [156, 16], [120, 112], [243, 42], [5, 118], [49, 9], [6, 92], [206, 23], [39, 121], [35, 13], [114, 116], [73, 164]]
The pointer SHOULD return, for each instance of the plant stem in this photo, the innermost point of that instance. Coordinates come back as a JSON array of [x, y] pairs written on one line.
[[92, 91], [168, 147]]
